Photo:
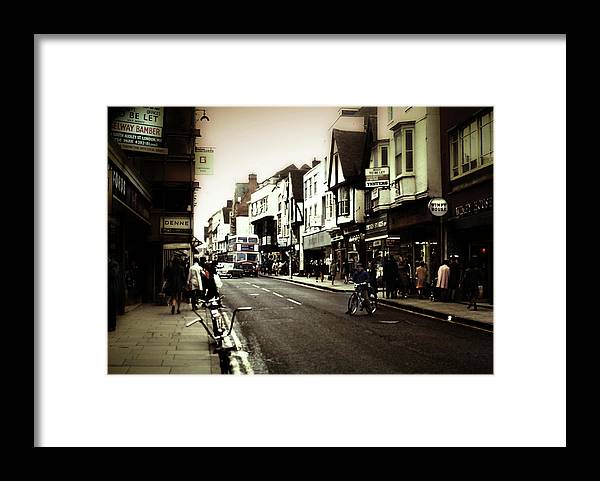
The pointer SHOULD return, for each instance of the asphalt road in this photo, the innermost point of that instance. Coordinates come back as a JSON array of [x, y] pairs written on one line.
[[294, 329]]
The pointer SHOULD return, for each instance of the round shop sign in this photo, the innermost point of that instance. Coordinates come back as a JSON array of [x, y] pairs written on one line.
[[438, 206]]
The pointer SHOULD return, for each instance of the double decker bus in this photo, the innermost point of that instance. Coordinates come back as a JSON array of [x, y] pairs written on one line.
[[242, 248]]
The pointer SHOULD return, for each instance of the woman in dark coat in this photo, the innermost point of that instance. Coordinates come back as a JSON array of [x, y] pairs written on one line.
[[403, 278], [471, 281], [175, 282]]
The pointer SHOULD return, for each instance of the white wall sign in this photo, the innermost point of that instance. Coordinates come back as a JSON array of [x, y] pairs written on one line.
[[175, 225], [378, 177], [140, 129]]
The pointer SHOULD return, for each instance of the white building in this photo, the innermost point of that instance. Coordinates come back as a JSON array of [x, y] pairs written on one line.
[[319, 215], [220, 229]]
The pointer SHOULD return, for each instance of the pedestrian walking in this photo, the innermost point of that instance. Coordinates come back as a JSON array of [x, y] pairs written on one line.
[[390, 275], [346, 271], [421, 273], [175, 282], [471, 281], [454, 279], [194, 281], [403, 278], [373, 276], [114, 273], [443, 276], [333, 271]]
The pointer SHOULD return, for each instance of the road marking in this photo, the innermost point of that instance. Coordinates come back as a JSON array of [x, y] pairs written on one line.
[[292, 300], [248, 283], [239, 363], [265, 289], [278, 295], [254, 294], [254, 285]]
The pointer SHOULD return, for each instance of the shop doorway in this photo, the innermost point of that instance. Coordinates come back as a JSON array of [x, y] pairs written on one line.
[[481, 253]]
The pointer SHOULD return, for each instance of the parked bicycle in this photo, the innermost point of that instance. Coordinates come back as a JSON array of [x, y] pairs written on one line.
[[213, 309], [359, 300]]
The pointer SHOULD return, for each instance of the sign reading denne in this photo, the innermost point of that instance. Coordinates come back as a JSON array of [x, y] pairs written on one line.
[[140, 129], [377, 177], [175, 225]]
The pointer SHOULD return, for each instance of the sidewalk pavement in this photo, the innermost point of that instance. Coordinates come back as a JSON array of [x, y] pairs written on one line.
[[150, 340], [483, 317]]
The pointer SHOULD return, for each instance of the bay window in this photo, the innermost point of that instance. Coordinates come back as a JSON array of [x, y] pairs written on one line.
[[404, 148]]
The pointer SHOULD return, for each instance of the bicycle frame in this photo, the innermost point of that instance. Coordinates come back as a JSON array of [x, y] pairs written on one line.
[[359, 290], [214, 308]]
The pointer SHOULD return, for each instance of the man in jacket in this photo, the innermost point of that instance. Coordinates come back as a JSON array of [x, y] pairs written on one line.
[[194, 281]]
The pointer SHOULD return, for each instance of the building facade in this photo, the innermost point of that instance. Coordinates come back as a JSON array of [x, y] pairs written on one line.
[[467, 153], [151, 194]]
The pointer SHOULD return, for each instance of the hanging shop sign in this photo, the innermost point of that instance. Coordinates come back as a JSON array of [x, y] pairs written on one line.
[[139, 129], [175, 225], [438, 206], [204, 160], [378, 177], [356, 237]]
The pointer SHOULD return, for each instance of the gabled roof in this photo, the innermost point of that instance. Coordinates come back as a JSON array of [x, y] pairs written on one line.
[[284, 172], [351, 149], [297, 181]]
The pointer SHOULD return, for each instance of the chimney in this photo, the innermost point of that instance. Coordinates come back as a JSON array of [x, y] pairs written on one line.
[[252, 183], [315, 162]]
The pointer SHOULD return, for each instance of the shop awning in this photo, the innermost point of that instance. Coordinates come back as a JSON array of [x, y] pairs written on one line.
[[316, 241]]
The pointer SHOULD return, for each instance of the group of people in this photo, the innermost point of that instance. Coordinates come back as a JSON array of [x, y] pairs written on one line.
[[201, 281], [450, 279], [396, 277], [276, 267]]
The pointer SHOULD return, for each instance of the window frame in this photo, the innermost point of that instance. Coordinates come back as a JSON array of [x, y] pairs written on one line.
[[459, 141], [400, 154]]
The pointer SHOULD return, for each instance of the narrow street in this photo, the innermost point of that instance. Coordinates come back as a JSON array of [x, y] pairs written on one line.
[[294, 329]]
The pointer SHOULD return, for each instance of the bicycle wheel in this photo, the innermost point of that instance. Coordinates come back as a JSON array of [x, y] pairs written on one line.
[[352, 304]]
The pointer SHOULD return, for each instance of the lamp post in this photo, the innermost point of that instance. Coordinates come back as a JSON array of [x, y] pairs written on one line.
[[291, 249]]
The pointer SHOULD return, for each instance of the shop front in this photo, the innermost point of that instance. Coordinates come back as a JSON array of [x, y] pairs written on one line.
[[338, 248], [470, 232], [317, 250], [376, 235], [414, 237], [128, 230], [355, 248]]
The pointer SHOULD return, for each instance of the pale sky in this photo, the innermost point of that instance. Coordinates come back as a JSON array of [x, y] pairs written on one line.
[[260, 140]]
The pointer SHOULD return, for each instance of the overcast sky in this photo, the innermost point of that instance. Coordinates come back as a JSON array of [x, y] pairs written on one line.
[[260, 140]]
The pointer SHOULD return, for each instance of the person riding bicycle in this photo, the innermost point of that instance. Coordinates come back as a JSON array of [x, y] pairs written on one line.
[[361, 276]]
